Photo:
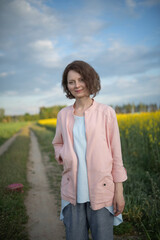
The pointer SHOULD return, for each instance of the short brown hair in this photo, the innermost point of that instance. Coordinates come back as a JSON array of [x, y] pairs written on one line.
[[89, 75]]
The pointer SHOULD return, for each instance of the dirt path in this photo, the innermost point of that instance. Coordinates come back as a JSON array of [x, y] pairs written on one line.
[[43, 222]]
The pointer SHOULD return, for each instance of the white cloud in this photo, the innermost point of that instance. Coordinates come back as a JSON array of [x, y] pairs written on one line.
[[31, 15], [10, 93], [126, 82], [131, 3], [42, 81], [46, 53], [149, 3], [136, 88], [37, 90], [5, 74], [121, 59], [42, 45]]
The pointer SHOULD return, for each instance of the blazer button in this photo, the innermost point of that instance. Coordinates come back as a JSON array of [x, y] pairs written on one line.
[[68, 178], [104, 184]]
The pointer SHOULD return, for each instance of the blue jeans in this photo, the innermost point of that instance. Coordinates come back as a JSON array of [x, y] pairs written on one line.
[[80, 218]]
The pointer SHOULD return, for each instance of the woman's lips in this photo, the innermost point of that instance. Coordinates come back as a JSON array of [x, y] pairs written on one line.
[[78, 91]]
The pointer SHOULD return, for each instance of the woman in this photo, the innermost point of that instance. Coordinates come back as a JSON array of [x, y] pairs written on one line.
[[87, 144]]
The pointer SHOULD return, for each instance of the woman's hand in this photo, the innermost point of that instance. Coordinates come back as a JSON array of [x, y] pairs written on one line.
[[118, 201]]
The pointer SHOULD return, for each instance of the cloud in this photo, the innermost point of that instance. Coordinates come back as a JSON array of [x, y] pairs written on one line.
[[24, 17], [121, 60], [10, 93], [149, 3], [23, 23], [37, 90], [5, 74], [126, 82], [131, 3], [45, 53], [136, 7], [136, 88], [13, 102]]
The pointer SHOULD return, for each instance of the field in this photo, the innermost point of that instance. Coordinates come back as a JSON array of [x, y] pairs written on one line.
[[140, 139], [7, 130]]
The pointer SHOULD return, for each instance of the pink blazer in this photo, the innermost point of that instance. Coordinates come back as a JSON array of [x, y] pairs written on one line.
[[103, 156]]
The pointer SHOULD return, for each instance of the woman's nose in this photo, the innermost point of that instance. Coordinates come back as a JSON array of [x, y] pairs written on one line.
[[77, 84]]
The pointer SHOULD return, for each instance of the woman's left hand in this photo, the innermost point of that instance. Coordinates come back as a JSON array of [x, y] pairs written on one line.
[[118, 201]]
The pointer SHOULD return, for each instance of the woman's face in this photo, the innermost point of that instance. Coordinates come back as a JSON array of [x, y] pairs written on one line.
[[76, 85]]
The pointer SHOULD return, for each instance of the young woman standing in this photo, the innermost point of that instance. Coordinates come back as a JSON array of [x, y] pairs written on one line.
[[87, 144]]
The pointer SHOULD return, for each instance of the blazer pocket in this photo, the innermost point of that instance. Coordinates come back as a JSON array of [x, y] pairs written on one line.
[[108, 184], [103, 191]]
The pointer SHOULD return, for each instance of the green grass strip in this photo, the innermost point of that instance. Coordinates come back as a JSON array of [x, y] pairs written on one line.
[[13, 215], [7, 130]]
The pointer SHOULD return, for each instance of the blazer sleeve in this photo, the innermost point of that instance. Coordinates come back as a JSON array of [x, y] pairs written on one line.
[[58, 140], [119, 173]]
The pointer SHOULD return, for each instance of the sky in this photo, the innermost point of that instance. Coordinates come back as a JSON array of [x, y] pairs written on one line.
[[39, 38]]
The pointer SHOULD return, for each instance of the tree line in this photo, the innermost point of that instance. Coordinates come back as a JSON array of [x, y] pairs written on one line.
[[51, 112], [132, 108]]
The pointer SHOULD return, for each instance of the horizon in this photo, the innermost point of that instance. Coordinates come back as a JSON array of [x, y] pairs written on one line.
[[114, 106]]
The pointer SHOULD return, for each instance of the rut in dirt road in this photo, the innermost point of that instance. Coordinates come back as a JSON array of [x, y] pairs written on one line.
[[4, 147], [43, 222]]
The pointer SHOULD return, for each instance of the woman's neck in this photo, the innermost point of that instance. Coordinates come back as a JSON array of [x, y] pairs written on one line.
[[82, 104]]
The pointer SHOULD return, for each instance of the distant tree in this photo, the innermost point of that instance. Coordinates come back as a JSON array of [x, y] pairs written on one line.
[[50, 112], [118, 109], [42, 112], [153, 107], [2, 111], [142, 107], [27, 117], [132, 108], [128, 108]]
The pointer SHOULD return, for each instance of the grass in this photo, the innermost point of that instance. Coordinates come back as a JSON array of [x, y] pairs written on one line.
[[7, 130], [13, 215]]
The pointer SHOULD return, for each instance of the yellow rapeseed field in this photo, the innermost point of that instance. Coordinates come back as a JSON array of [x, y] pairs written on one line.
[[130, 124], [148, 121], [140, 135], [49, 121], [144, 122]]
